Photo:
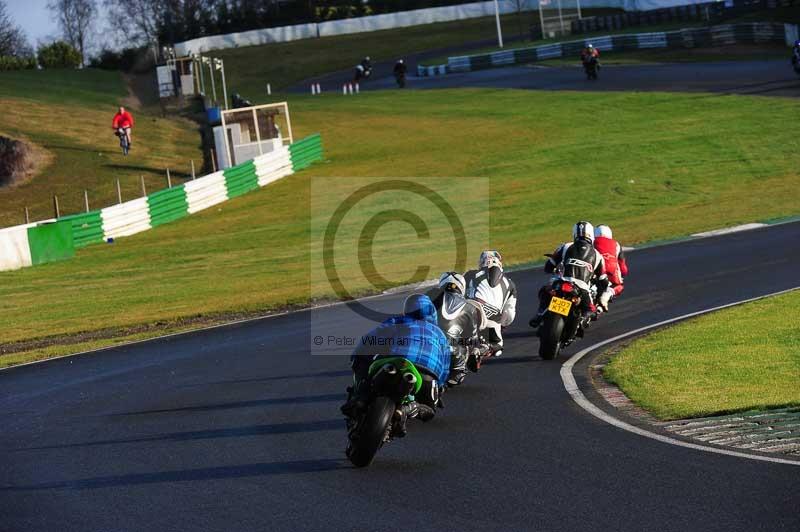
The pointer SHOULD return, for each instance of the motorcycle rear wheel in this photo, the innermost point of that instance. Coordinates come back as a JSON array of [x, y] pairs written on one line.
[[364, 444], [550, 336]]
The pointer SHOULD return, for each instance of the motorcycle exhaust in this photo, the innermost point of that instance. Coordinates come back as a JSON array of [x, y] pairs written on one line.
[[389, 369], [410, 378]]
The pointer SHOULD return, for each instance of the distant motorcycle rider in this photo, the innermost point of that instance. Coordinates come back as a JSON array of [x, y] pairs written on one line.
[[400, 70], [414, 336], [363, 69], [461, 320], [497, 294], [588, 53], [616, 266], [579, 263], [590, 58]]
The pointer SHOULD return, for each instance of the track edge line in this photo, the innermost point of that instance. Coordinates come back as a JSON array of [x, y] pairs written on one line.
[[572, 388]]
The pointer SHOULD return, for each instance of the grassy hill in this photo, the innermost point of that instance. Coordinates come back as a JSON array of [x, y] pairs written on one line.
[[651, 165], [68, 113]]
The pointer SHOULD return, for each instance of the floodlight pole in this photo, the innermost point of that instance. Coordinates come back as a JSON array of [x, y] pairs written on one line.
[[211, 73], [497, 19], [541, 19], [202, 79], [224, 85]]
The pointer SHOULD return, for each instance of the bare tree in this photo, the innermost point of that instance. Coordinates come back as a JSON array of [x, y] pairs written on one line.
[[12, 38], [75, 18], [137, 21]]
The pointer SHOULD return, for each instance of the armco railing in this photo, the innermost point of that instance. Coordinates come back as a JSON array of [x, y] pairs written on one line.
[[42, 242], [721, 35]]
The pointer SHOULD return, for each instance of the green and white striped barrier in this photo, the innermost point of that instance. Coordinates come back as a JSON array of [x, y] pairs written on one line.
[[32, 244]]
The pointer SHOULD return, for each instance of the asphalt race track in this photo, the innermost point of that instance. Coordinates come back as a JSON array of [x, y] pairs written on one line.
[[238, 428], [767, 78]]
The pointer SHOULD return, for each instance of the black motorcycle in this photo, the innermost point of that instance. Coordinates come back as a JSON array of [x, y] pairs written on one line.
[[392, 385], [400, 78], [362, 73], [564, 320], [591, 66]]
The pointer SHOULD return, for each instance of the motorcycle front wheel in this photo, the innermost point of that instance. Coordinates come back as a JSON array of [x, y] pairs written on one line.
[[366, 441], [550, 336]]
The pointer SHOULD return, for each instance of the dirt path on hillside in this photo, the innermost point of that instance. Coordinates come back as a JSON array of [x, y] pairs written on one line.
[[21, 160], [142, 90]]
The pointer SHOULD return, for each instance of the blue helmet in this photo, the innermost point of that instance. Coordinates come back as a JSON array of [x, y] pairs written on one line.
[[420, 307]]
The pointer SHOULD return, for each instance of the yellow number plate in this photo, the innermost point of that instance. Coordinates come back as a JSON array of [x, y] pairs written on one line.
[[560, 306]]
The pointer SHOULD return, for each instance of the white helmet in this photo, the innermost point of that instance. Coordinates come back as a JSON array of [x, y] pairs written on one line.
[[589, 45], [603, 230], [450, 281], [490, 258], [584, 230]]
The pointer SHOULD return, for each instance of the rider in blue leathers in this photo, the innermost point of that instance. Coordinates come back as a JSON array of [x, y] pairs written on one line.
[[414, 336]]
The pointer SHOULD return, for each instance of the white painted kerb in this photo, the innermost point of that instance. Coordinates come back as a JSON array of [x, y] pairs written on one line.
[[572, 388]]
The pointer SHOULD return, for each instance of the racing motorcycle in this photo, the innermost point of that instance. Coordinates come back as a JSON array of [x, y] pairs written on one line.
[[361, 73], [563, 320], [591, 66], [392, 385], [400, 78]]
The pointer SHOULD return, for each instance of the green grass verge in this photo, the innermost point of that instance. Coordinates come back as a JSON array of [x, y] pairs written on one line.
[[68, 114], [738, 359], [654, 166], [60, 350]]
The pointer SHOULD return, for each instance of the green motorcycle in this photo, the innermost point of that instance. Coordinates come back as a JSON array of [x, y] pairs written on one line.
[[392, 385]]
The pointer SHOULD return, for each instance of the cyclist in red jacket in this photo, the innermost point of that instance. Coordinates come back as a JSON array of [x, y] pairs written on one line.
[[124, 120], [616, 266]]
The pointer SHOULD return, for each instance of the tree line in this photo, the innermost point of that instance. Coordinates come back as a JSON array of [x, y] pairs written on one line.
[[170, 21], [136, 24]]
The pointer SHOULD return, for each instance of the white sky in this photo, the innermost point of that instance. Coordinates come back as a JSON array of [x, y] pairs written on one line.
[[34, 17]]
